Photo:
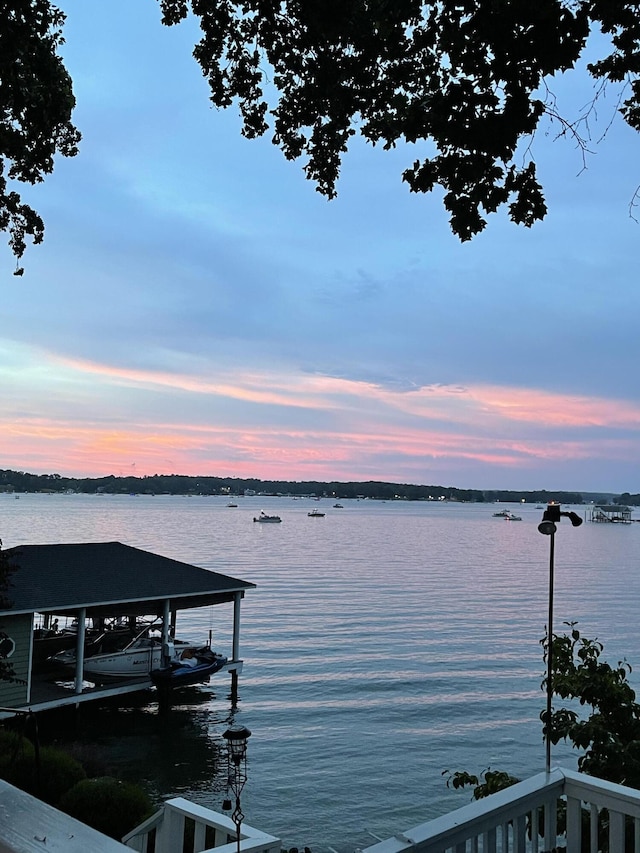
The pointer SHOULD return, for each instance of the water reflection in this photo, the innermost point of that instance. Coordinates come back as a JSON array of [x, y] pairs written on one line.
[[170, 752]]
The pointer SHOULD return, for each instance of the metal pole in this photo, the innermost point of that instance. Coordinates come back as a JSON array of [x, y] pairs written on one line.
[[237, 784], [237, 819], [236, 771], [82, 619], [550, 651]]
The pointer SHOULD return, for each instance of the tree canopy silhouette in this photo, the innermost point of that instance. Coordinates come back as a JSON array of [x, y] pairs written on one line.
[[36, 102], [467, 77]]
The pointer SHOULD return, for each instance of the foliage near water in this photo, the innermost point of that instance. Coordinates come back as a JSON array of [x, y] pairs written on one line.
[[13, 746], [48, 776], [109, 805], [608, 736]]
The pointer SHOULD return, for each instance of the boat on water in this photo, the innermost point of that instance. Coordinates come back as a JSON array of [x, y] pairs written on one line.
[[135, 660], [315, 513], [49, 642], [231, 503], [506, 513], [267, 519], [106, 636], [338, 506], [193, 667]]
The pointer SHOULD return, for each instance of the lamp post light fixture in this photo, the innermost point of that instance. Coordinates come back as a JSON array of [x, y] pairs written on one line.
[[236, 737], [550, 518]]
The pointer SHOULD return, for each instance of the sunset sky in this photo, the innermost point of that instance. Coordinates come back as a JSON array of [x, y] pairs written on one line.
[[198, 308]]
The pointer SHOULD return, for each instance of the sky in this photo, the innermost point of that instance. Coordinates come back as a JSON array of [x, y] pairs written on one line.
[[198, 308]]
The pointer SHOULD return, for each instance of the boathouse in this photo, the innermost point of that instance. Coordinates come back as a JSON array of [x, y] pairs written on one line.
[[90, 583], [609, 514]]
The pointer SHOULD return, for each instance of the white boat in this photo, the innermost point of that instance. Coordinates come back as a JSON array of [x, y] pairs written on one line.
[[268, 519], [506, 513], [315, 513], [134, 661]]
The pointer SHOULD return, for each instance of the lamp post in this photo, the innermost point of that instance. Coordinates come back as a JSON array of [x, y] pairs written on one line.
[[236, 737], [550, 518]]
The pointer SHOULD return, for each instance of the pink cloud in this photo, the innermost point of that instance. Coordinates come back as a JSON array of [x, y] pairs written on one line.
[[267, 452], [456, 403], [543, 407], [360, 426]]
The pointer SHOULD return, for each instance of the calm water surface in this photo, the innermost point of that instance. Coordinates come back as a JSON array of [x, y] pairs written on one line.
[[384, 644]]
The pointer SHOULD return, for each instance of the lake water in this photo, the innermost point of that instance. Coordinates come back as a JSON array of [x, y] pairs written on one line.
[[385, 643]]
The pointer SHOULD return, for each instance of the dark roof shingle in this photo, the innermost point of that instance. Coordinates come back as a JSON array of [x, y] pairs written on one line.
[[103, 576]]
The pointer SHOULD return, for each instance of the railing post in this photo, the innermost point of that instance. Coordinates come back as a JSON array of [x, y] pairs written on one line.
[[170, 832], [574, 825], [489, 841], [199, 837], [616, 830], [594, 822], [550, 823], [520, 834]]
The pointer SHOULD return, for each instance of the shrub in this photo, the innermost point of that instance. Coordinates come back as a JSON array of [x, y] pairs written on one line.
[[58, 772], [13, 747], [109, 805]]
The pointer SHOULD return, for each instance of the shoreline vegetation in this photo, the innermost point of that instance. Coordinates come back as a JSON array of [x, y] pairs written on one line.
[[177, 484]]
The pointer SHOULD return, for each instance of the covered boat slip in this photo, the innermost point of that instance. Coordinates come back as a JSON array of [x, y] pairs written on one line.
[[90, 582]]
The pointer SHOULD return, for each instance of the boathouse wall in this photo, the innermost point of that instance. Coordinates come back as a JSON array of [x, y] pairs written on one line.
[[18, 630]]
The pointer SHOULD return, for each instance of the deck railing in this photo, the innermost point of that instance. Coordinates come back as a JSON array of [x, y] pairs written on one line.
[[556, 811], [184, 827]]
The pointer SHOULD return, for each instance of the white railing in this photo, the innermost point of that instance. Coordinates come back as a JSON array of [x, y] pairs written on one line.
[[558, 810], [184, 826]]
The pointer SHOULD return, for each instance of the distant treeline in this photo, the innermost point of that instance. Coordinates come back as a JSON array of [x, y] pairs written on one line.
[[175, 484], [627, 500]]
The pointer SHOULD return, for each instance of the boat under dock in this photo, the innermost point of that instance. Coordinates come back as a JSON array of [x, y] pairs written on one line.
[[48, 694], [93, 582]]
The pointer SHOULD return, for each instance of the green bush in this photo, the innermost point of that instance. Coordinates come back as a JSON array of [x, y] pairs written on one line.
[[109, 805], [58, 772], [13, 747]]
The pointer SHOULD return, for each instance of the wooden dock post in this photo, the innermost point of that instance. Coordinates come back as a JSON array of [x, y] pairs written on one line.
[[234, 686]]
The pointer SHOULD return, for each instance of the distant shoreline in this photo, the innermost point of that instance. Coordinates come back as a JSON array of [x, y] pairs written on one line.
[[177, 484]]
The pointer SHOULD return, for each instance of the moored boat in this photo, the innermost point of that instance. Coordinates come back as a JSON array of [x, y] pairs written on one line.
[[506, 513], [268, 519], [315, 513], [112, 636], [194, 666], [137, 659]]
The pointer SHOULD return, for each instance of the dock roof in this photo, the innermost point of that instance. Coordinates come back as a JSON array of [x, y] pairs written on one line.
[[109, 579]]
